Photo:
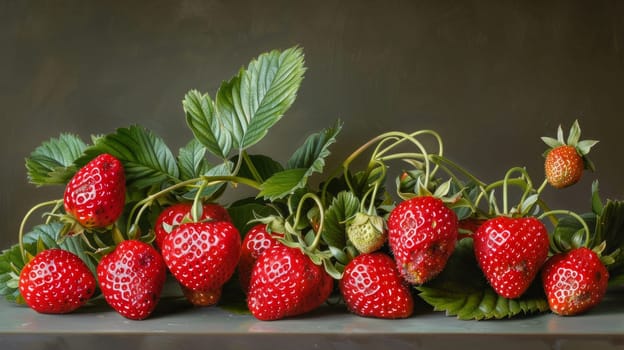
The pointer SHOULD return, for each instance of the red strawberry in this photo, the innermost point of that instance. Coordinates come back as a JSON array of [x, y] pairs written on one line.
[[256, 241], [202, 256], [373, 287], [567, 159], [510, 252], [574, 281], [172, 216], [56, 281], [422, 232], [132, 278], [96, 194], [285, 283]]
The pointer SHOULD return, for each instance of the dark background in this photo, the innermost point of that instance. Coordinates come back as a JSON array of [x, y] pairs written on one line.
[[490, 76]]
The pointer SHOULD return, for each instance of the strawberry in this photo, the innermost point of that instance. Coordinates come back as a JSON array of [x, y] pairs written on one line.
[[285, 283], [422, 232], [373, 287], [563, 166], [56, 281], [173, 215], [574, 281], [132, 278], [202, 298], [567, 159], [510, 252], [256, 241], [202, 256], [95, 195], [367, 232]]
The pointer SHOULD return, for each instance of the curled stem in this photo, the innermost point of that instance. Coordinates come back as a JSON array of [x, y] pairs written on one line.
[[317, 201], [20, 237]]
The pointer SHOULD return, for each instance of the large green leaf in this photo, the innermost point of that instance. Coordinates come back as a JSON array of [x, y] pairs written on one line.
[[53, 161], [207, 128], [263, 167], [254, 100], [462, 291], [146, 158]]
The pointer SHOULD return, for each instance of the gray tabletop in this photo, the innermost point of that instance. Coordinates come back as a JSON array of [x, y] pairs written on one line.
[[176, 325]]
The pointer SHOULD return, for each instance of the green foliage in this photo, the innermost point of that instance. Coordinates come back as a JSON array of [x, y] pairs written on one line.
[[462, 291], [146, 158], [192, 160], [248, 105], [52, 163], [344, 206], [306, 160], [41, 237]]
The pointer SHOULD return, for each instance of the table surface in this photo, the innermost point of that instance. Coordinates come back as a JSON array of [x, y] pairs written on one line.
[[175, 324]]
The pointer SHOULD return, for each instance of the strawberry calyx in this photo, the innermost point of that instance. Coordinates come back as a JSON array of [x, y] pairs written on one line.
[[583, 147]]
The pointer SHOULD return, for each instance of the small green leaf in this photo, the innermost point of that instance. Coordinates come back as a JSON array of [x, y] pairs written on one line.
[[315, 149], [283, 183], [191, 160], [53, 161], [575, 134], [48, 236], [207, 128], [146, 158], [585, 146], [245, 213], [344, 206], [551, 142]]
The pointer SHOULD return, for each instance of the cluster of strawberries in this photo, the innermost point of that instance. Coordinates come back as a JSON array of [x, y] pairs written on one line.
[[202, 249]]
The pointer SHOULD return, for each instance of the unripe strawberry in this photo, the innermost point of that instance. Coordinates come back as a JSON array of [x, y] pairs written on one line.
[[366, 232], [567, 159]]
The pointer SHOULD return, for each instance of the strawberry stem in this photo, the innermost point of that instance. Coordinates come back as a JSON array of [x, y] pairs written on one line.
[[20, 237], [143, 204], [553, 213]]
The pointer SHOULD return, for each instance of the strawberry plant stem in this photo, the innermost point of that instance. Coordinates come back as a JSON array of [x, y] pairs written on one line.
[[57, 203]]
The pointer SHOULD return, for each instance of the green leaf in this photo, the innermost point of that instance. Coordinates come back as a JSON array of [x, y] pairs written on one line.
[[263, 165], [48, 235], [223, 169], [207, 128], [254, 100], [244, 214], [11, 263], [191, 160], [462, 291], [146, 158], [314, 150], [344, 206], [53, 161], [306, 160], [283, 183]]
